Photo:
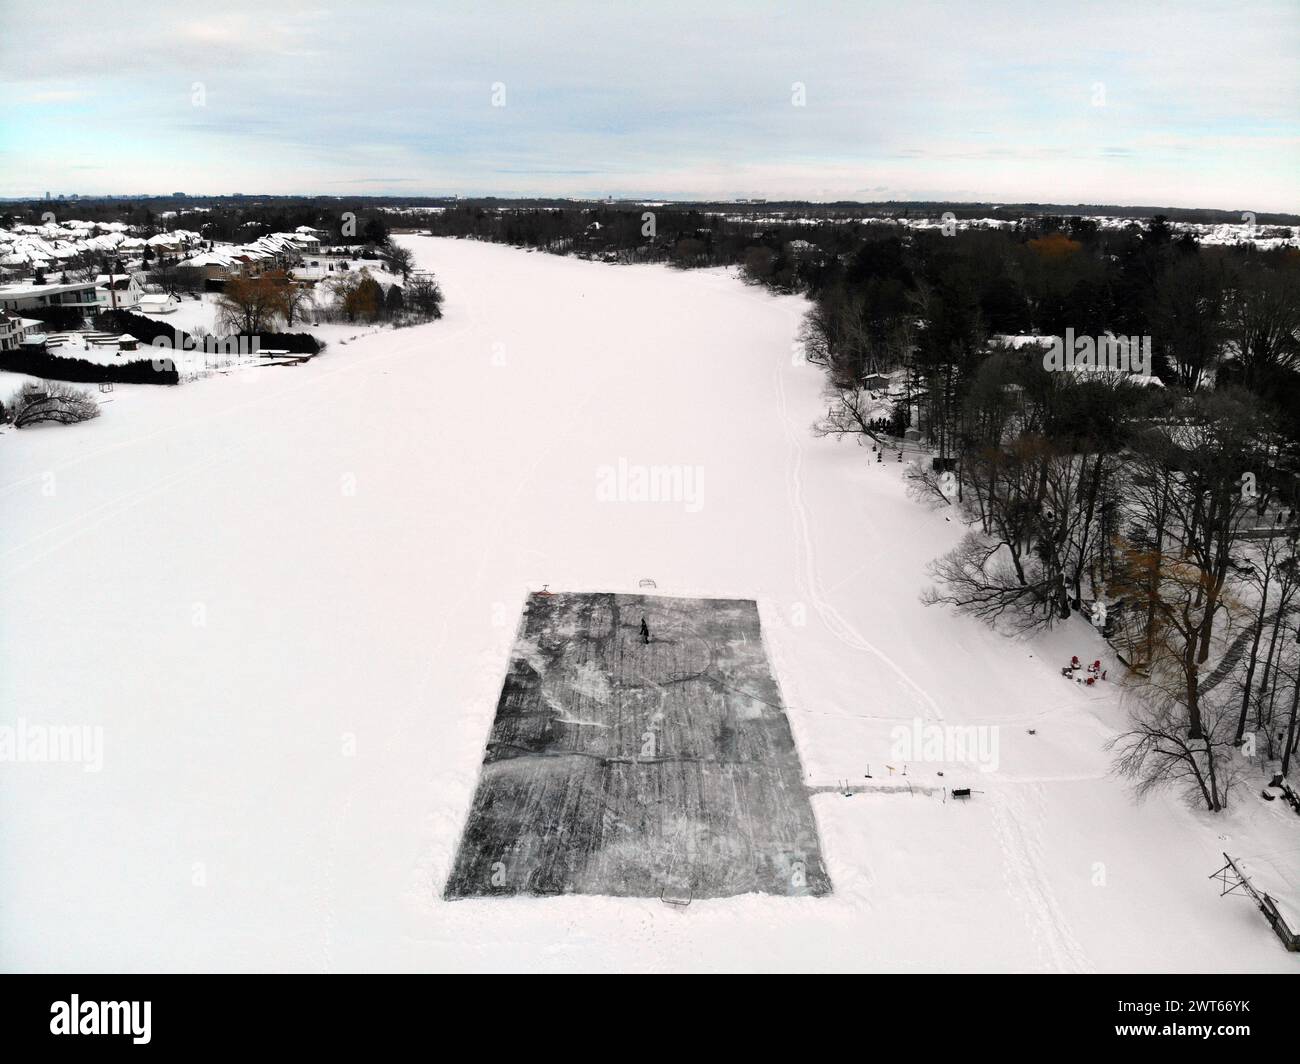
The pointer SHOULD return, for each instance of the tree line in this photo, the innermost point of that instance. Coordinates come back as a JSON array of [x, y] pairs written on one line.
[[1165, 515]]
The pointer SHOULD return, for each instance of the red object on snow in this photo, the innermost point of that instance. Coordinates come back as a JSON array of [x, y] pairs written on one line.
[[1091, 680], [1074, 661]]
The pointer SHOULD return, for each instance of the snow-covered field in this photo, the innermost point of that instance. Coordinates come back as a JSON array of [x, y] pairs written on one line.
[[287, 599]]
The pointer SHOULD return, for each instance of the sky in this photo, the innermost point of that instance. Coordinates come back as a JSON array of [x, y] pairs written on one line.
[[1186, 104]]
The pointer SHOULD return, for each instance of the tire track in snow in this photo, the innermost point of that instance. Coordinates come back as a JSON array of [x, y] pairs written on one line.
[[326, 887]]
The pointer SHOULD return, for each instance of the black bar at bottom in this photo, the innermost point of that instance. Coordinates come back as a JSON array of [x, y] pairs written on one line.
[[929, 1013]]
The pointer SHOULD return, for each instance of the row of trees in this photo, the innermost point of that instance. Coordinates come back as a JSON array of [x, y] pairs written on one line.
[[1164, 515], [932, 303], [1162, 520], [681, 236]]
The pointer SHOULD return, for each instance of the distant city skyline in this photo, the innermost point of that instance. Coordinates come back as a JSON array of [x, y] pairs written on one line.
[[1187, 105]]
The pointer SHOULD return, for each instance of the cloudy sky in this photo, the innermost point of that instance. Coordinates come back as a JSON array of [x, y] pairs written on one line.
[[1180, 104]]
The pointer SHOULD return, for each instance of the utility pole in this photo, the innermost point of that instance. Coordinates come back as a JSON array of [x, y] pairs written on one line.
[[1232, 878], [112, 285]]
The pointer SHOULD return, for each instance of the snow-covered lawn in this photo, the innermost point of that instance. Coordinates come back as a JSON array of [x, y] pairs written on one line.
[[190, 314], [287, 597]]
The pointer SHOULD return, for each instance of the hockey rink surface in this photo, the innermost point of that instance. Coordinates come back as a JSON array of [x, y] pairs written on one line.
[[652, 768]]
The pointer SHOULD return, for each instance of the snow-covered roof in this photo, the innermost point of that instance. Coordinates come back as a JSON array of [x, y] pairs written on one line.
[[211, 258], [1018, 341], [28, 289]]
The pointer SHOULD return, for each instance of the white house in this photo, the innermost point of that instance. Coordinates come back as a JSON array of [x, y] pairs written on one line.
[[309, 243], [306, 234], [159, 304], [124, 294]]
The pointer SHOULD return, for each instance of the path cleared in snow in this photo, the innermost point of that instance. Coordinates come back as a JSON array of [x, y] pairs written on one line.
[[287, 597]]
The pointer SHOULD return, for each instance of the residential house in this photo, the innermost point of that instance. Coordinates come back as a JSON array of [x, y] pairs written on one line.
[[122, 294], [30, 296], [163, 303], [15, 331], [216, 265]]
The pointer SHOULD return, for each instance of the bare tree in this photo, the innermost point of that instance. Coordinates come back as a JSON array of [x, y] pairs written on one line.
[[295, 299], [1289, 744], [1184, 586], [1156, 752], [978, 579], [52, 401], [852, 412], [250, 305], [1273, 572]]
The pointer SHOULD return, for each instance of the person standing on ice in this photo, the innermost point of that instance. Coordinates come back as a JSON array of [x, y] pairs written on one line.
[[645, 632]]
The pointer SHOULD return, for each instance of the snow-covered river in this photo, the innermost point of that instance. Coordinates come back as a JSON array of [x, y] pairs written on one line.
[[283, 601]]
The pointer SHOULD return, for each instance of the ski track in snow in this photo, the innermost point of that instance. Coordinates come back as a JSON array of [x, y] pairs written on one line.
[[806, 565], [106, 511], [1019, 829], [325, 888]]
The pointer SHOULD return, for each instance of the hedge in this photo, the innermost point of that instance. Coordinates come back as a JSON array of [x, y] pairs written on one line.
[[146, 330], [294, 343], [56, 367]]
